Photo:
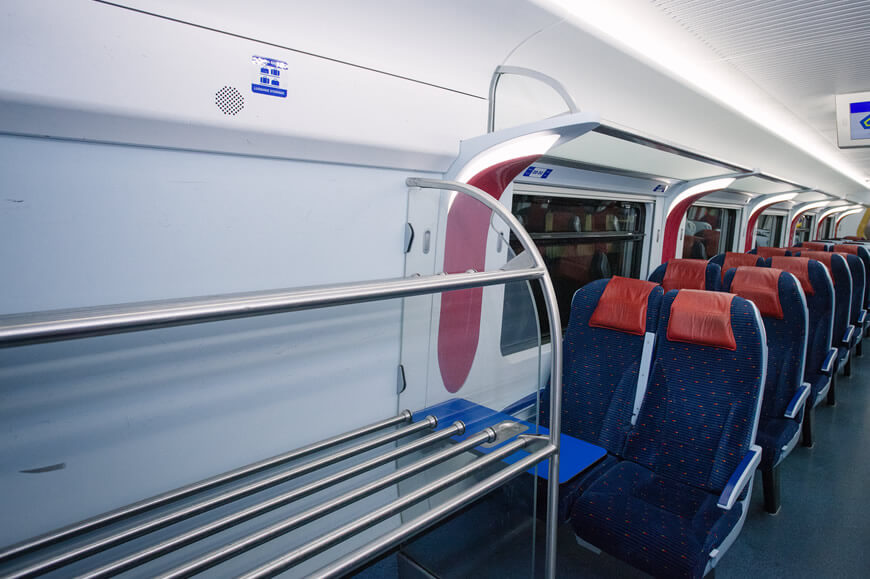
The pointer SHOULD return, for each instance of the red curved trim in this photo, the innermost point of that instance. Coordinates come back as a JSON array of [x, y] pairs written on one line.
[[819, 227], [794, 220], [672, 225], [464, 249]]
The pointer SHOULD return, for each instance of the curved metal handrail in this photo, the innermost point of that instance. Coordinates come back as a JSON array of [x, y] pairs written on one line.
[[555, 344]]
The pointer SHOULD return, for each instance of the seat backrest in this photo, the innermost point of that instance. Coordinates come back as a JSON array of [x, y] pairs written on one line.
[[687, 274], [700, 413], [779, 298], [604, 344], [819, 292], [843, 296], [864, 255], [766, 252], [815, 246], [729, 259]]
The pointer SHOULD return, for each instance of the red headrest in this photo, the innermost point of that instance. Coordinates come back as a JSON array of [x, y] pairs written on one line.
[[814, 246], [853, 249], [825, 257], [759, 285], [703, 318], [794, 250], [738, 260], [685, 274], [622, 305], [798, 267], [770, 251]]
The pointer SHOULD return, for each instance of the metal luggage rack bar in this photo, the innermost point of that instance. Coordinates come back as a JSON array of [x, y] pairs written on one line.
[[71, 544]]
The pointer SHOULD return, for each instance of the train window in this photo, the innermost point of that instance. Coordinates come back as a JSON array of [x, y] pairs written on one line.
[[826, 229], [581, 240], [709, 230], [768, 232], [802, 229]]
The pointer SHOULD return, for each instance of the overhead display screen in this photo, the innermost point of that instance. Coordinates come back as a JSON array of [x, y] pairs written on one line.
[[853, 120]]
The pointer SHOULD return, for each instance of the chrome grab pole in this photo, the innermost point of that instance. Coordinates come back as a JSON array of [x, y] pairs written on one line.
[[160, 500], [555, 347], [325, 541], [223, 498], [408, 530], [59, 325], [232, 519]]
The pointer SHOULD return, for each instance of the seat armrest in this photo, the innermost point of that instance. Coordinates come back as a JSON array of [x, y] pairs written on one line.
[[742, 475], [862, 319], [798, 401], [828, 364], [847, 337]]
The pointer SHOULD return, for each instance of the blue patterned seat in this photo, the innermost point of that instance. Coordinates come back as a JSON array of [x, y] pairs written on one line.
[[820, 357], [863, 319], [780, 299], [677, 501], [604, 343], [687, 274], [844, 331]]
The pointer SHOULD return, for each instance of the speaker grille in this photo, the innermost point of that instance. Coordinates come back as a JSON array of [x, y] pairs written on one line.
[[229, 100]]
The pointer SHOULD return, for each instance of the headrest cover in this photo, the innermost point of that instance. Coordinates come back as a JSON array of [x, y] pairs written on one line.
[[770, 251], [702, 318], [622, 305], [795, 250], [798, 267], [685, 274], [760, 285], [737, 260], [814, 246], [853, 249]]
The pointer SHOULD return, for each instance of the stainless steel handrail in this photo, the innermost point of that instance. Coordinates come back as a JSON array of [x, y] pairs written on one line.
[[166, 498], [40, 327], [552, 308], [407, 531], [58, 325], [200, 532], [323, 542], [201, 506]]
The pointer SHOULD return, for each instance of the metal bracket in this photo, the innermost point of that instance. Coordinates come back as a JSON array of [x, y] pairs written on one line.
[[401, 383]]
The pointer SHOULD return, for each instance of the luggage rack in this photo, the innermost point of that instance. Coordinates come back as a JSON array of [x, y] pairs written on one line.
[[152, 528]]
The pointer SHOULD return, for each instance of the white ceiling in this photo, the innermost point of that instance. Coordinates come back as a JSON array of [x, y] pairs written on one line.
[[800, 52]]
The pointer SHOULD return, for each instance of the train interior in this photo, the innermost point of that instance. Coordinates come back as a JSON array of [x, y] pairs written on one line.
[[508, 288]]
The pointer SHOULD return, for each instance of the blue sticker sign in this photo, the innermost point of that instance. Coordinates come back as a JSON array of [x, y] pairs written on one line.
[[270, 76], [537, 172], [859, 120]]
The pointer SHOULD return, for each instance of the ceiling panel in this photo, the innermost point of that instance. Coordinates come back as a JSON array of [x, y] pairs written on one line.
[[801, 52]]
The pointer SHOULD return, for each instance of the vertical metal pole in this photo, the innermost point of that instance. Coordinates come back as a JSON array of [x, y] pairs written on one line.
[[555, 423]]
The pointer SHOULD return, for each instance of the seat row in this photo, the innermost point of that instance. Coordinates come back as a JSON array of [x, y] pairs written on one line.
[[671, 385]]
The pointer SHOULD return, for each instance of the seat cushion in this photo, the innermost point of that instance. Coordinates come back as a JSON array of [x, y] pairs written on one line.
[[773, 435], [569, 491], [656, 524]]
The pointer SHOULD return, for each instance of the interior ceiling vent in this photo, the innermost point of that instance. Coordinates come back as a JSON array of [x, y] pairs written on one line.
[[229, 100]]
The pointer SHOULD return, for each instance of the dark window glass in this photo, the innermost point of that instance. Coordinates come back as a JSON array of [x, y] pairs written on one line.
[[709, 230], [581, 240], [768, 230]]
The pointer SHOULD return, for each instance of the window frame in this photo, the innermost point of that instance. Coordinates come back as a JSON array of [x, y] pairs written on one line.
[[738, 224], [784, 230]]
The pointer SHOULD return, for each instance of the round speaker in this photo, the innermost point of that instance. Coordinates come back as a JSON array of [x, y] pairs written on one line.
[[229, 100]]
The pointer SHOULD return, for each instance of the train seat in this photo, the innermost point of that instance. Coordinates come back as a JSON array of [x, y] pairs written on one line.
[[821, 355], [847, 296], [730, 259], [783, 307], [610, 336], [687, 274], [678, 500], [864, 255], [815, 245], [766, 252]]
